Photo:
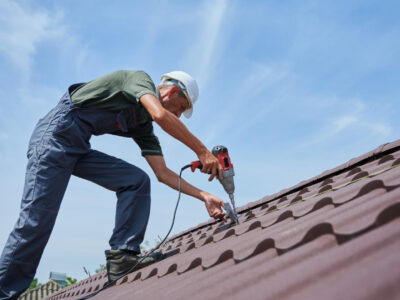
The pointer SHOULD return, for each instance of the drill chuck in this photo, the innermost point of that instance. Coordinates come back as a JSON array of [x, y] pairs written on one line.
[[227, 182]]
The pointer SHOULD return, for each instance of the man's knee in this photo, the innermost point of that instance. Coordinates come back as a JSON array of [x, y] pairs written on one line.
[[138, 180], [145, 179]]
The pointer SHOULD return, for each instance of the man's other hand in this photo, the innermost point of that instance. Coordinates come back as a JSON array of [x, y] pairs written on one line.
[[214, 205], [211, 165]]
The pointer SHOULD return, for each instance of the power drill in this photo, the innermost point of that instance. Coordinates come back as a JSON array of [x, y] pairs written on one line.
[[221, 152]]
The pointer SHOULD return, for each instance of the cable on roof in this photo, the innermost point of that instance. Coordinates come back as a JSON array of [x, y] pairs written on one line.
[[110, 283]]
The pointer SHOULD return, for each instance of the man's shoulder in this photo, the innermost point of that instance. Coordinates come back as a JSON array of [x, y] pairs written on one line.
[[131, 73]]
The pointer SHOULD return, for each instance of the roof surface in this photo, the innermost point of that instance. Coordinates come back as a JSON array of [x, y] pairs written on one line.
[[41, 291], [335, 236]]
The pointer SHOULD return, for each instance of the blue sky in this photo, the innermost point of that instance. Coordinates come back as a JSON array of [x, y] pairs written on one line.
[[292, 88]]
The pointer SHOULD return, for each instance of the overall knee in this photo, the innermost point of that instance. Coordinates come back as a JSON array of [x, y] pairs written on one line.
[[144, 186], [145, 180], [139, 181]]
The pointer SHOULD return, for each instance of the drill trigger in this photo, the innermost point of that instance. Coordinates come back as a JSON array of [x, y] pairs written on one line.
[[196, 165]]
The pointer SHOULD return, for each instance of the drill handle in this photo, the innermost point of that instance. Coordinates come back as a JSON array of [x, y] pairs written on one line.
[[196, 165]]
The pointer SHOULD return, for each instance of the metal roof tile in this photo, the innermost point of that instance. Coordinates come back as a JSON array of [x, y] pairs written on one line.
[[318, 239]]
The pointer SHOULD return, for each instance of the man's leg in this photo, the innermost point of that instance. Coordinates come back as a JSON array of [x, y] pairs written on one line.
[[56, 144], [46, 179], [132, 187]]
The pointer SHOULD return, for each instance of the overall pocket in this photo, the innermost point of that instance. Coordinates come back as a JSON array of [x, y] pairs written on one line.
[[126, 118], [68, 132], [100, 121]]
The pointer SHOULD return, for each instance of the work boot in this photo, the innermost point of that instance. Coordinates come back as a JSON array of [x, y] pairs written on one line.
[[120, 262]]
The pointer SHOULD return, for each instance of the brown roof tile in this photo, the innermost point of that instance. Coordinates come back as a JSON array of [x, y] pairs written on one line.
[[334, 236]]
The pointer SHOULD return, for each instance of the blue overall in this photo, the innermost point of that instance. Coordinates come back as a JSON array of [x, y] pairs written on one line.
[[59, 147]]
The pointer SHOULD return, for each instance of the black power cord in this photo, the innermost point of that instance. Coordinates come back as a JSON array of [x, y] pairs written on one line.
[[110, 283]]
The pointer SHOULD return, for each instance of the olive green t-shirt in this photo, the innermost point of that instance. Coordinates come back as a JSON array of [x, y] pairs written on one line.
[[119, 90]]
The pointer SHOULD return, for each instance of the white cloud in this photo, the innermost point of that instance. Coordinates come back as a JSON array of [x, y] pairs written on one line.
[[362, 119], [204, 52], [359, 119], [341, 123], [258, 79], [379, 128], [21, 31], [263, 76], [25, 30]]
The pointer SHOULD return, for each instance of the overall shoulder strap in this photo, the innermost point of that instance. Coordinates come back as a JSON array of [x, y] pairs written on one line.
[[73, 88]]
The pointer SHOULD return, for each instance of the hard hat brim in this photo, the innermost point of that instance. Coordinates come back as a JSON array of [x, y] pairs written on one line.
[[188, 113]]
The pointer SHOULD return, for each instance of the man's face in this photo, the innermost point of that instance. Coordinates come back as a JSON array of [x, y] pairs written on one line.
[[173, 101], [177, 105]]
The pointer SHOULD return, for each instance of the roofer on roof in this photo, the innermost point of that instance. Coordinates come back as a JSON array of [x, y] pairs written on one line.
[[123, 103]]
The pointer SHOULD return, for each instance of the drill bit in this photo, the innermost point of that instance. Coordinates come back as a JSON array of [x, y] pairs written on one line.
[[233, 202], [232, 198], [230, 213]]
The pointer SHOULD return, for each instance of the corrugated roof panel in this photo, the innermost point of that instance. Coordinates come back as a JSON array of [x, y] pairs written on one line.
[[336, 235]]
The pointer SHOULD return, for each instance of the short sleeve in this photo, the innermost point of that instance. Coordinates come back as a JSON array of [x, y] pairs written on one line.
[[146, 139], [138, 84], [149, 145]]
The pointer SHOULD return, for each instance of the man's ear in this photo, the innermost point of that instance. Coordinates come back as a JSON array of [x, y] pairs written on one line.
[[174, 90]]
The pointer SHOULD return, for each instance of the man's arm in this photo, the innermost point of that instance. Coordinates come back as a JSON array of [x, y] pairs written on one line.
[[172, 125], [170, 178]]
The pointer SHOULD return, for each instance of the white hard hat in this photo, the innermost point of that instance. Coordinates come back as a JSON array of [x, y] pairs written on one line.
[[188, 85]]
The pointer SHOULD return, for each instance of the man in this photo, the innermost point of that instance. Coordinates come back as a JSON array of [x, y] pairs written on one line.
[[123, 103]]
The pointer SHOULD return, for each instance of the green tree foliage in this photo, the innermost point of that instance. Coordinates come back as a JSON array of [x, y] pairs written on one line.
[[145, 246], [70, 281], [34, 284], [101, 268]]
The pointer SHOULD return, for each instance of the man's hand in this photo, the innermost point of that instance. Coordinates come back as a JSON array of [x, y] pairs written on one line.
[[170, 178], [211, 165], [213, 205]]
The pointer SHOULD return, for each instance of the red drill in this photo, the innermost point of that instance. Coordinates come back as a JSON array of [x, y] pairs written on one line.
[[221, 152]]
